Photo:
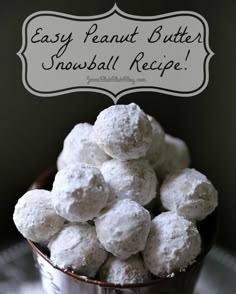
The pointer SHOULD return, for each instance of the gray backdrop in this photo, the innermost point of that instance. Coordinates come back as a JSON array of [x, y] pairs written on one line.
[[32, 128]]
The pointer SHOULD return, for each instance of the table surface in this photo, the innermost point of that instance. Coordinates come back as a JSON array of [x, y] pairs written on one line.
[[17, 271]]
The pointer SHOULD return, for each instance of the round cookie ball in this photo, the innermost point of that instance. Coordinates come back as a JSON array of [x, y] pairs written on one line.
[[123, 131], [129, 271], [173, 243], [189, 193], [77, 248], [35, 217], [60, 161], [123, 228], [155, 153], [175, 156], [133, 179], [79, 192], [80, 146]]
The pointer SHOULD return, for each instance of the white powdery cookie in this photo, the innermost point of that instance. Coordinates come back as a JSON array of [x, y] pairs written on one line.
[[189, 193], [175, 156], [129, 271], [77, 248], [173, 243], [79, 192], [155, 153], [123, 131], [61, 163], [133, 179], [35, 217], [80, 146], [123, 228]]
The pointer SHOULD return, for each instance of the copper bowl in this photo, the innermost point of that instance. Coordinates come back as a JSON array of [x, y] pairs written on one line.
[[55, 280]]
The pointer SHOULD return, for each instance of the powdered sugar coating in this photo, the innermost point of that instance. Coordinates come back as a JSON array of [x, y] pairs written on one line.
[[133, 179], [155, 153], [189, 193], [60, 161], [129, 271], [123, 228], [77, 248], [123, 131], [79, 192], [35, 217], [80, 146], [176, 156], [173, 243]]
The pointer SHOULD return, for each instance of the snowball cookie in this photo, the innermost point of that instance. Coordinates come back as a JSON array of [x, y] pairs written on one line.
[[173, 243], [133, 179], [123, 131], [35, 217], [129, 271], [176, 156], [77, 248], [80, 145], [79, 192], [189, 193], [155, 153], [123, 228], [60, 161]]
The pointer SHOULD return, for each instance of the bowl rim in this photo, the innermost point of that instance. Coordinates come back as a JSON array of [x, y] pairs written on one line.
[[38, 184], [81, 278]]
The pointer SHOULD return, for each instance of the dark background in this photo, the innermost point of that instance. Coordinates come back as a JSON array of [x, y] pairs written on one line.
[[32, 129]]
